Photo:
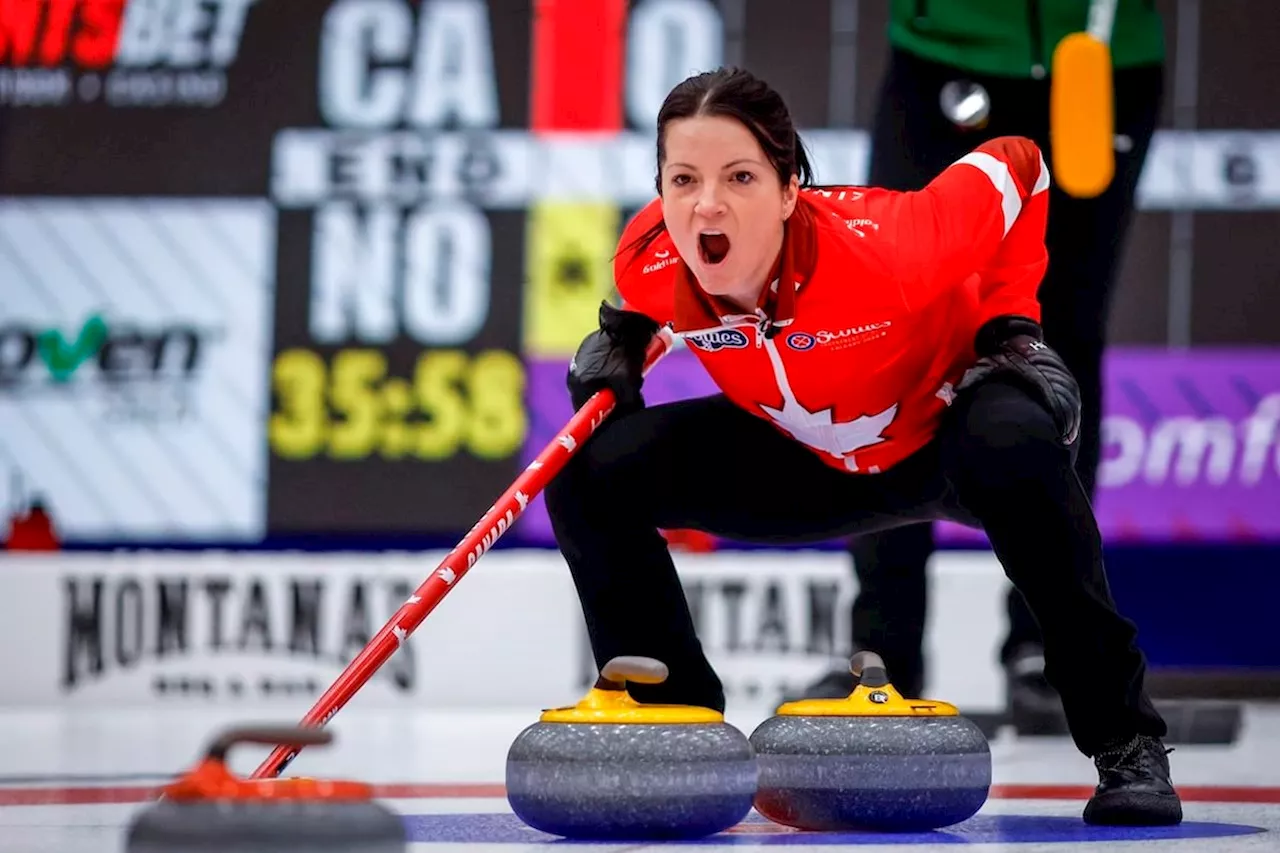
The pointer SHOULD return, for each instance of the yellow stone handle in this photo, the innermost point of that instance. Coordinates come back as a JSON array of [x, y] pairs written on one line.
[[609, 702], [873, 696]]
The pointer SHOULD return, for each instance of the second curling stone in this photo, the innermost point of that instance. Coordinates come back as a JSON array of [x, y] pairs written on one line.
[[212, 809], [611, 768], [871, 761]]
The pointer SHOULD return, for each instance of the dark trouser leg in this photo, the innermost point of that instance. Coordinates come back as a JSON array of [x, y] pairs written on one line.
[[1086, 238], [1000, 452], [682, 466], [603, 515]]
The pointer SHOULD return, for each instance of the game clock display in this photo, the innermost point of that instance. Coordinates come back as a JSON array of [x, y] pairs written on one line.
[[350, 407]]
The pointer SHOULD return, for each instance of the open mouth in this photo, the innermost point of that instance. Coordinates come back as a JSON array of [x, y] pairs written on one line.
[[713, 246]]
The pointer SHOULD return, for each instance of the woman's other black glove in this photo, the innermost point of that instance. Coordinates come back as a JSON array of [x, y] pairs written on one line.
[[1013, 348], [612, 357]]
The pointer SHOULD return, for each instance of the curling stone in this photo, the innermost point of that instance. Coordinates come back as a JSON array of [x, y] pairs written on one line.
[[871, 761], [611, 768], [211, 809]]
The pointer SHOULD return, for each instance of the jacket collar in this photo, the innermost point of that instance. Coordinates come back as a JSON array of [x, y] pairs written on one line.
[[697, 310]]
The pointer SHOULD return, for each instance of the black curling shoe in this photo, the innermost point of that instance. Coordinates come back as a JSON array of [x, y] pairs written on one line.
[[1034, 707], [836, 684], [1134, 788]]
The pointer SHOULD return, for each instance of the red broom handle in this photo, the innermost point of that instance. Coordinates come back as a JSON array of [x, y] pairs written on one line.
[[479, 539]]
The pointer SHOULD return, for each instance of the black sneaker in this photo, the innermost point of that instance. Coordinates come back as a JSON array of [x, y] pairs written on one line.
[[1033, 706], [1134, 788], [837, 684]]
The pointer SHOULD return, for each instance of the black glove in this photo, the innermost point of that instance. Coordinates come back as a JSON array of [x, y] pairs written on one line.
[[612, 357], [1013, 348]]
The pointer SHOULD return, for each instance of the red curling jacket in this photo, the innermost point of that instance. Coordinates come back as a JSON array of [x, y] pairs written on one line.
[[856, 347]]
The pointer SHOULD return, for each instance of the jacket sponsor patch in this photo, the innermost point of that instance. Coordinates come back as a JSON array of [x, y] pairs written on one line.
[[718, 339]]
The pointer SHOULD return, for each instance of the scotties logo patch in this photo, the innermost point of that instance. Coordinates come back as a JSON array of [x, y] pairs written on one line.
[[718, 340]]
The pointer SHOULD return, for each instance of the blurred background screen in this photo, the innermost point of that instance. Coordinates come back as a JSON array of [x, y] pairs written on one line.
[[277, 274]]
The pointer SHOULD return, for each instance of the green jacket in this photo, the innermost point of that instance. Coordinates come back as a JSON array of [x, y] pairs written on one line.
[[1016, 38]]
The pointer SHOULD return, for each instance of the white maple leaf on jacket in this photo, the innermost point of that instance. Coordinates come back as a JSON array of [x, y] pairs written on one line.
[[819, 431]]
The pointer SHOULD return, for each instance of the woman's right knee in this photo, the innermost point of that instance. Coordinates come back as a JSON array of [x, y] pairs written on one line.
[[1003, 438]]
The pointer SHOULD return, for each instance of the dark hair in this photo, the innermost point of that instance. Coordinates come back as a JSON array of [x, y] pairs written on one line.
[[739, 94]]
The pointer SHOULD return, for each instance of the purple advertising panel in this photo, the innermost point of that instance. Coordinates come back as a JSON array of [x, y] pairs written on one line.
[[1191, 443]]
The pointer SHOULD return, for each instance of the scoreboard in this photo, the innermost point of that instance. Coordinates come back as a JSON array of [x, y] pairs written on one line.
[[382, 227]]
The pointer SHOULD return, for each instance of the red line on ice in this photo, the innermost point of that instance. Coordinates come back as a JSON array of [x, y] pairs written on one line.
[[101, 795]]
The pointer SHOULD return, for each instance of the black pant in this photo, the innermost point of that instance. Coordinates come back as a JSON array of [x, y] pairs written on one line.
[[912, 141], [705, 464]]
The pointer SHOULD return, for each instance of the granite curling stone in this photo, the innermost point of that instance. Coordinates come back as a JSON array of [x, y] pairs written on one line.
[[611, 768], [211, 809], [871, 761]]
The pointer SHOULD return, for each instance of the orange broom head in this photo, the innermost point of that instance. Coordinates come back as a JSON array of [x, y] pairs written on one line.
[[1081, 116]]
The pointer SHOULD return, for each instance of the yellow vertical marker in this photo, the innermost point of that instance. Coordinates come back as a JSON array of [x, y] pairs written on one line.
[[1082, 106]]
